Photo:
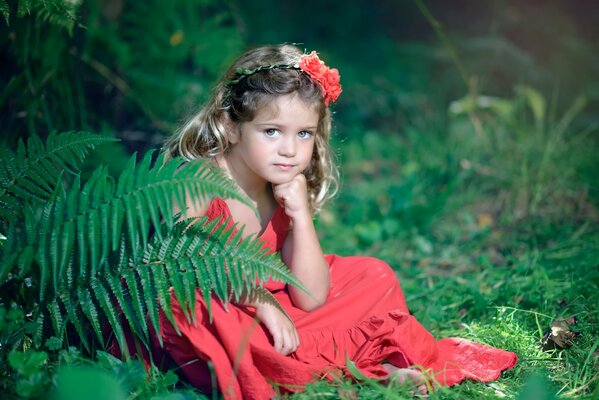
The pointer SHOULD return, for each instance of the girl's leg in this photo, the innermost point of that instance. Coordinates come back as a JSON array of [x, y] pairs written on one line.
[[407, 376]]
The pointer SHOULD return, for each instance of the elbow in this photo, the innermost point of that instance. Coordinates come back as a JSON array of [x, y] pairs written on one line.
[[312, 305], [311, 302]]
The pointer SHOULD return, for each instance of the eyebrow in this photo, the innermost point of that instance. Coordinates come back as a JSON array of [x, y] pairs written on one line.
[[279, 125]]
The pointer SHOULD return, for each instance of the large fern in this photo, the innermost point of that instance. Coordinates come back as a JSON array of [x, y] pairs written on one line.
[[89, 253]]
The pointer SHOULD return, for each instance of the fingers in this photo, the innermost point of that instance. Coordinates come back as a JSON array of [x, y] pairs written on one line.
[[286, 342], [292, 195]]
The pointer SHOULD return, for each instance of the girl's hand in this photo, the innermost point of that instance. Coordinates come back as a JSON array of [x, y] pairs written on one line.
[[293, 197], [282, 330]]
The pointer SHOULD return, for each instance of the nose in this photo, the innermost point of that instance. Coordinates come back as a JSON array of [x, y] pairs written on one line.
[[288, 146]]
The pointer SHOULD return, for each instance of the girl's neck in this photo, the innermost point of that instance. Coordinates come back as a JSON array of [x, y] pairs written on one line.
[[258, 190]]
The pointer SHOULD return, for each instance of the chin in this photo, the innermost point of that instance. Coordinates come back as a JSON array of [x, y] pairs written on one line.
[[279, 181]]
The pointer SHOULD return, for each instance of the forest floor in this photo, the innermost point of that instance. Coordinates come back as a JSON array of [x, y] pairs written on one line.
[[485, 248]]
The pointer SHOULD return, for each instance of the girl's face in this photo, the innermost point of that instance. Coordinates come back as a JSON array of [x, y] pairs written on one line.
[[277, 144]]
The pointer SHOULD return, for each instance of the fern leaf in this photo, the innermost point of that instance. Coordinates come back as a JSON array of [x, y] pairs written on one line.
[[143, 217], [104, 226], [164, 295], [56, 316], [174, 276], [55, 237], [5, 11], [204, 283], [103, 298], [33, 174], [43, 256], [74, 317], [262, 295], [130, 217], [91, 312], [117, 289], [93, 240], [149, 295], [58, 12], [82, 246], [221, 288], [189, 287], [38, 334], [116, 222], [23, 8], [136, 300]]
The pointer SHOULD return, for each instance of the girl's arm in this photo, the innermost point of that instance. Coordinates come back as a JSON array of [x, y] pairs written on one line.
[[280, 327], [272, 315], [301, 250]]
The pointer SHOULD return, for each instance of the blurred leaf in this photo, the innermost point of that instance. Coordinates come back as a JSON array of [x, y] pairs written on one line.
[[537, 388], [27, 363], [356, 373], [535, 101], [501, 107], [82, 382], [53, 343]]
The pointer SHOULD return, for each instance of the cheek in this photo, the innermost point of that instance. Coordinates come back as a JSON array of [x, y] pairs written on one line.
[[307, 155], [261, 150]]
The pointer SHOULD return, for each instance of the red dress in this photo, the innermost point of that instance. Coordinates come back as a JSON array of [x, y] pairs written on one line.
[[364, 317]]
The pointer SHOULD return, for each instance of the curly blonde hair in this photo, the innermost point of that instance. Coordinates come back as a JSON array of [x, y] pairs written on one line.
[[206, 134]]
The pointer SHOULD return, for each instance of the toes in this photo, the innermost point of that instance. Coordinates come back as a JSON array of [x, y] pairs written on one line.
[[412, 377]]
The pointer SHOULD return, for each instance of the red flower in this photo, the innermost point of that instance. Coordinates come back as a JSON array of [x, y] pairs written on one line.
[[327, 78]]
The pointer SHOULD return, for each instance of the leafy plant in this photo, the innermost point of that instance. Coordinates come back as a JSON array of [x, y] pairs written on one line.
[[85, 255], [57, 12], [128, 67]]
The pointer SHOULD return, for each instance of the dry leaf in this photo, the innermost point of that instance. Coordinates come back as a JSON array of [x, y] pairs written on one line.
[[560, 336]]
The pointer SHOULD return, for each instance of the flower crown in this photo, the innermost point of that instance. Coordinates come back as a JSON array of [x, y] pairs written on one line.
[[327, 78]]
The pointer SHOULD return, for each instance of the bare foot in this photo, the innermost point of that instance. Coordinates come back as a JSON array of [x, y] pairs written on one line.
[[408, 376]]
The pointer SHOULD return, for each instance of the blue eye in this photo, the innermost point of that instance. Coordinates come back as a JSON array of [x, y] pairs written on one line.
[[304, 134], [271, 132]]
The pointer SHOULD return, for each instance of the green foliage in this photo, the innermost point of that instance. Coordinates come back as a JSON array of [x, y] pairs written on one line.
[[4, 10], [82, 255], [75, 376], [59, 13], [110, 66], [31, 173]]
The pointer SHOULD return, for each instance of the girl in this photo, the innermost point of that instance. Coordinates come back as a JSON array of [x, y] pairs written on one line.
[[268, 126]]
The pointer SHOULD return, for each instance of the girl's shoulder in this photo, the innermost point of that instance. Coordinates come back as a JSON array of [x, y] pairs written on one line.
[[196, 207]]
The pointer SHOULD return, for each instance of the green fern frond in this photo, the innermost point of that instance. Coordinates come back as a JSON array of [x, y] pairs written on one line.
[[149, 295], [109, 311], [137, 302], [56, 316], [124, 302], [24, 8], [262, 295], [57, 12], [88, 249], [5, 11], [32, 172], [85, 302], [74, 315]]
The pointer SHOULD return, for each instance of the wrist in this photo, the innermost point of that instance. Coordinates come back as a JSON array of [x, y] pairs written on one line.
[[302, 218]]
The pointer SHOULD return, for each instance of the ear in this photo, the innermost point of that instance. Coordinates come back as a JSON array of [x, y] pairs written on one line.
[[232, 129]]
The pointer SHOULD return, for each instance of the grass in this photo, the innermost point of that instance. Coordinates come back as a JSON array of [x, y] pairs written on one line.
[[492, 236]]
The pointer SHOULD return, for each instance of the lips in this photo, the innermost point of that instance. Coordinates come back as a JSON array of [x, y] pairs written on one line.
[[284, 167]]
